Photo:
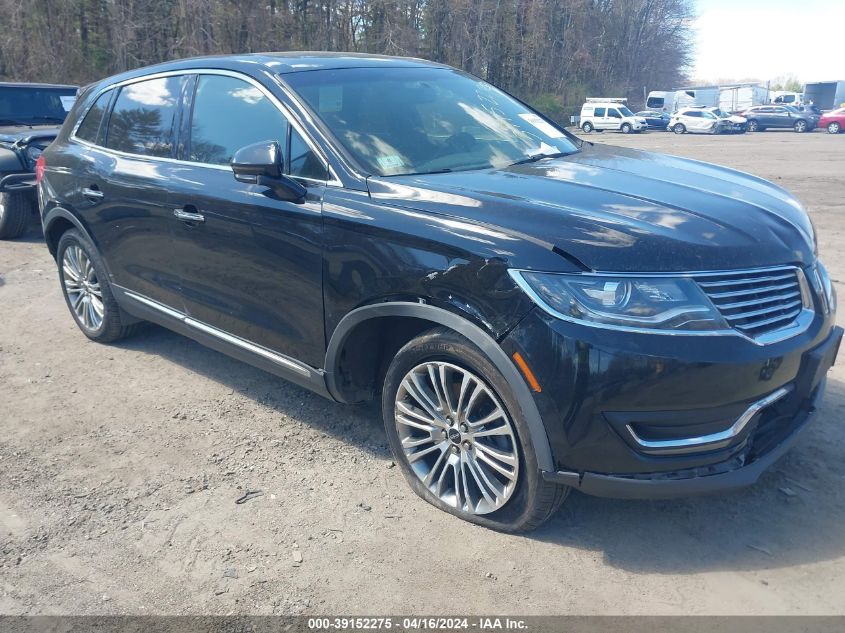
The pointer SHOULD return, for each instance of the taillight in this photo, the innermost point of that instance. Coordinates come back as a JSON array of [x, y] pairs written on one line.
[[40, 164]]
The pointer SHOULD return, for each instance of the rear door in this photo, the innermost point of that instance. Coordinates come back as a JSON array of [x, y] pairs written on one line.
[[123, 179], [252, 266], [600, 119]]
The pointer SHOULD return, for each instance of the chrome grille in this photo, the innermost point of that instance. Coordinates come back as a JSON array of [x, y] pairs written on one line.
[[756, 302]]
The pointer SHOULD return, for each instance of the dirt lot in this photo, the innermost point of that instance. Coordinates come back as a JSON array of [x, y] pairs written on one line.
[[119, 468]]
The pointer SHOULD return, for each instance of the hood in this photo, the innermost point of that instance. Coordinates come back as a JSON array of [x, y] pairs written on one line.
[[15, 133], [735, 118], [618, 209]]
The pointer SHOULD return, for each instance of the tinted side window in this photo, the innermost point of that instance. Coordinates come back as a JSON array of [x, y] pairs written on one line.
[[600, 112], [230, 114], [89, 129], [304, 163], [142, 120]]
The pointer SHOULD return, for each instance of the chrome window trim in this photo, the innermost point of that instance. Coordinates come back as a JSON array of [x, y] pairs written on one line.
[[712, 441], [331, 181], [801, 323], [280, 359]]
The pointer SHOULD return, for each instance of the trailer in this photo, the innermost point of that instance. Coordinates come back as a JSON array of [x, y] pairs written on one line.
[[732, 98], [741, 97], [826, 95]]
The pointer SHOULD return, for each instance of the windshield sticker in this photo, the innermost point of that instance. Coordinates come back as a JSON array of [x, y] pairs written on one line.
[[331, 98], [67, 102], [391, 161], [544, 126]]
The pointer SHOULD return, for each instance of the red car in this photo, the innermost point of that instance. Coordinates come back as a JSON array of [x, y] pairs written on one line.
[[834, 121]]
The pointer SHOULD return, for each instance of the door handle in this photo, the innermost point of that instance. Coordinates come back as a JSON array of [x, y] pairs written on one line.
[[187, 216], [92, 194]]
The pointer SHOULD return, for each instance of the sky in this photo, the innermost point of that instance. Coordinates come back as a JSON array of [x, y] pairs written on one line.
[[769, 39]]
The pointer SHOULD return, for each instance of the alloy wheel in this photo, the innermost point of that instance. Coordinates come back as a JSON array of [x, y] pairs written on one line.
[[833, 128], [82, 288], [457, 437], [801, 126]]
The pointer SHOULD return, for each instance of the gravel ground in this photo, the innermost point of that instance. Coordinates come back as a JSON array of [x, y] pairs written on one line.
[[120, 466]]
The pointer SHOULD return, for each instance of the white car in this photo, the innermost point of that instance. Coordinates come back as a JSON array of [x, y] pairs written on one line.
[[610, 115], [698, 120], [732, 123]]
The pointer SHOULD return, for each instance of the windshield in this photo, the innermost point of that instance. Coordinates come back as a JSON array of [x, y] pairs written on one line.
[[401, 121], [625, 111], [792, 109], [35, 105]]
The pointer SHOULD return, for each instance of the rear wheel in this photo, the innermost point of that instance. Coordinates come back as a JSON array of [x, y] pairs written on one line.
[[587, 127], [833, 128], [15, 209], [626, 128], [87, 291], [679, 128], [800, 126], [458, 435]]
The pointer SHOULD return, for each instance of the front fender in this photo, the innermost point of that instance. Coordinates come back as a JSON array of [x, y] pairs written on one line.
[[481, 339]]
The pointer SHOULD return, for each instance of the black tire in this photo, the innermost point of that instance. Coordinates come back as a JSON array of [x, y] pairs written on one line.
[[679, 128], [587, 127], [834, 128], [626, 128], [15, 209], [753, 126], [800, 126], [533, 499], [112, 327]]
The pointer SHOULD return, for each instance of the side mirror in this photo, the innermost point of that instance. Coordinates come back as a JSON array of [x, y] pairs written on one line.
[[261, 164]]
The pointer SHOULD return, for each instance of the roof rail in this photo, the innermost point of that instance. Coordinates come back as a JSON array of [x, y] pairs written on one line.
[[607, 100]]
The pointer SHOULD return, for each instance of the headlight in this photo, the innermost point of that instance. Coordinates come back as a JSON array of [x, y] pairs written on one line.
[[656, 304], [824, 286], [33, 152]]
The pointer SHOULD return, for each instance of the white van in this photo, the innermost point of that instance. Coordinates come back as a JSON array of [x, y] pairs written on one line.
[[609, 114]]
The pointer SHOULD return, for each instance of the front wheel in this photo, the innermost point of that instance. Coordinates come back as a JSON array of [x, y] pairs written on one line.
[[457, 432], [87, 291], [626, 128], [679, 128], [800, 127], [587, 127], [15, 209], [833, 128], [753, 126]]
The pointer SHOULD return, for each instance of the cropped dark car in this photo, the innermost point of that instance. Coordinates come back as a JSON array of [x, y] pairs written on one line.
[[535, 313], [762, 118], [655, 119], [30, 117]]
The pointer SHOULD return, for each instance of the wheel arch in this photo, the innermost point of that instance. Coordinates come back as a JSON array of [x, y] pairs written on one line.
[[355, 331], [56, 222]]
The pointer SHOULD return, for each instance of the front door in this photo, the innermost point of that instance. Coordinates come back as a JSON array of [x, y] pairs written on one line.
[[250, 264]]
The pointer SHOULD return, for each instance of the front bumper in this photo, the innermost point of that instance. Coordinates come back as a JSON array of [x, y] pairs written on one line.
[[600, 385]]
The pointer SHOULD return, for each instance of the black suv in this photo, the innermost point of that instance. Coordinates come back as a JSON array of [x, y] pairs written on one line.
[[30, 117], [535, 313]]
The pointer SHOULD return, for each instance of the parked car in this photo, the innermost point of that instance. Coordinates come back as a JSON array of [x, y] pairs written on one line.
[[601, 115], [30, 116], [655, 119], [533, 312], [734, 123], [762, 118], [833, 122], [697, 120]]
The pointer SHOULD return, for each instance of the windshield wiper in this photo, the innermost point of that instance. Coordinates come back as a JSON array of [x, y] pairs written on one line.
[[535, 157]]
